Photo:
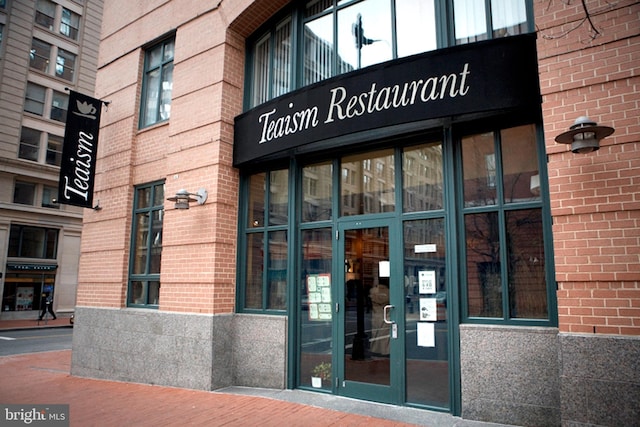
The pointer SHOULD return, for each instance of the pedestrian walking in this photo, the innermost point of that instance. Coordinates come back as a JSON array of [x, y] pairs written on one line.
[[46, 303]]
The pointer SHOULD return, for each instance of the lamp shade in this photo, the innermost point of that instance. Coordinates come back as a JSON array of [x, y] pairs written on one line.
[[584, 135]]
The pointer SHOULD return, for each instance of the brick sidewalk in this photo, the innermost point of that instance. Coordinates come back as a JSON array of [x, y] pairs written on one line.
[[34, 323], [43, 378]]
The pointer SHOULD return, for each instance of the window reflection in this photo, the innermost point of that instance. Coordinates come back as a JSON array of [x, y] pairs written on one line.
[[278, 197], [255, 262], [318, 49], [365, 189], [427, 368], [422, 178], [257, 188], [277, 271], [415, 27], [527, 283], [520, 174], [317, 192], [484, 285], [478, 157], [364, 33], [509, 17], [470, 21], [315, 331]]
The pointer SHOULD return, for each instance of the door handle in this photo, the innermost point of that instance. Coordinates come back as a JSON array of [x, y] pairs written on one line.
[[385, 315]]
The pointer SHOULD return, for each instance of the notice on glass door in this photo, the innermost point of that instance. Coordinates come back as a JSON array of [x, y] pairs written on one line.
[[319, 296], [426, 334], [427, 282], [428, 309]]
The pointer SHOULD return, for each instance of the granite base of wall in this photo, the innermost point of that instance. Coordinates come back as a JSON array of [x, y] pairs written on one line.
[[260, 351], [509, 375], [181, 350], [600, 380]]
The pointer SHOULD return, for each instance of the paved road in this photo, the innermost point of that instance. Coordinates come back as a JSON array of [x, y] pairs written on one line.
[[34, 340]]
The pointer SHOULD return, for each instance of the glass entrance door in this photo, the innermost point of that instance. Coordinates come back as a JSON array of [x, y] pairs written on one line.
[[370, 314]]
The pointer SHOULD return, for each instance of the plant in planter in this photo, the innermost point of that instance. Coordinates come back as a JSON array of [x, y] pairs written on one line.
[[320, 373]]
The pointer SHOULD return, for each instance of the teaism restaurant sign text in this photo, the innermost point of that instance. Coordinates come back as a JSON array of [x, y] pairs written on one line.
[[78, 166], [494, 75]]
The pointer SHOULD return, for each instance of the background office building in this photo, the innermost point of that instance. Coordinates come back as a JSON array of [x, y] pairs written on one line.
[[46, 48], [370, 193]]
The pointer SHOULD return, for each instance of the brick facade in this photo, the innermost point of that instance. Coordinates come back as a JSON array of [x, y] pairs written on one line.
[[594, 197]]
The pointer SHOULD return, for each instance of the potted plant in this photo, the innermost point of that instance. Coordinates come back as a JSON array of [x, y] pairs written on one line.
[[319, 373]]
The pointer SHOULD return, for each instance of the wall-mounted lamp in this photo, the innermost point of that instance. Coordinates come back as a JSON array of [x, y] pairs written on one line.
[[183, 198], [584, 135]]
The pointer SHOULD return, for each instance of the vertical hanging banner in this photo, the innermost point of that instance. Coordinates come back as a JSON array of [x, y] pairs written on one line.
[[79, 152]]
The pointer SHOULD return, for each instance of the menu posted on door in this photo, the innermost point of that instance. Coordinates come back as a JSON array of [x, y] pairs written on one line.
[[319, 296]]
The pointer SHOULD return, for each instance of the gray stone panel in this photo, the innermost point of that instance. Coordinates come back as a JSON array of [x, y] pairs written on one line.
[[180, 350], [260, 351], [146, 346], [510, 374], [600, 376]]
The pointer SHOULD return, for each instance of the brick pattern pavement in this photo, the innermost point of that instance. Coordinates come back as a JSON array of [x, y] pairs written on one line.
[[43, 378]]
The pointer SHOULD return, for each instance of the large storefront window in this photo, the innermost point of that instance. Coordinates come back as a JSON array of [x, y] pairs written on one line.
[[504, 245], [266, 249], [25, 280], [339, 36], [23, 289]]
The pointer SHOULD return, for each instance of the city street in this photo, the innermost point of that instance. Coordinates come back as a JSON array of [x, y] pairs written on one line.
[[22, 341]]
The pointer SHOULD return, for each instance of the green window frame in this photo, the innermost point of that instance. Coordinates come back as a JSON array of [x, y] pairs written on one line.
[[311, 41], [143, 288], [157, 84], [506, 263], [264, 274]]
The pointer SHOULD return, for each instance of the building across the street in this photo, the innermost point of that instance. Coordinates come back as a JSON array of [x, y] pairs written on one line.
[[47, 48], [367, 199]]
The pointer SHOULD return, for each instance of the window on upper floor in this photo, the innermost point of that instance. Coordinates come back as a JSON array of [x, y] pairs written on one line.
[[29, 144], [473, 18], [33, 242], [54, 150], [45, 13], [51, 15], [146, 246], [59, 106], [65, 64], [338, 36], [35, 99], [49, 195], [24, 193], [69, 24], [155, 105], [40, 55]]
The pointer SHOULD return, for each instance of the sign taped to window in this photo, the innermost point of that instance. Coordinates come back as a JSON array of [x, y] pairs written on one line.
[[319, 296]]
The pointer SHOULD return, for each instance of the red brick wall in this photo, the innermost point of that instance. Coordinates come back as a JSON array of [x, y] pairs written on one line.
[[193, 150], [595, 197]]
